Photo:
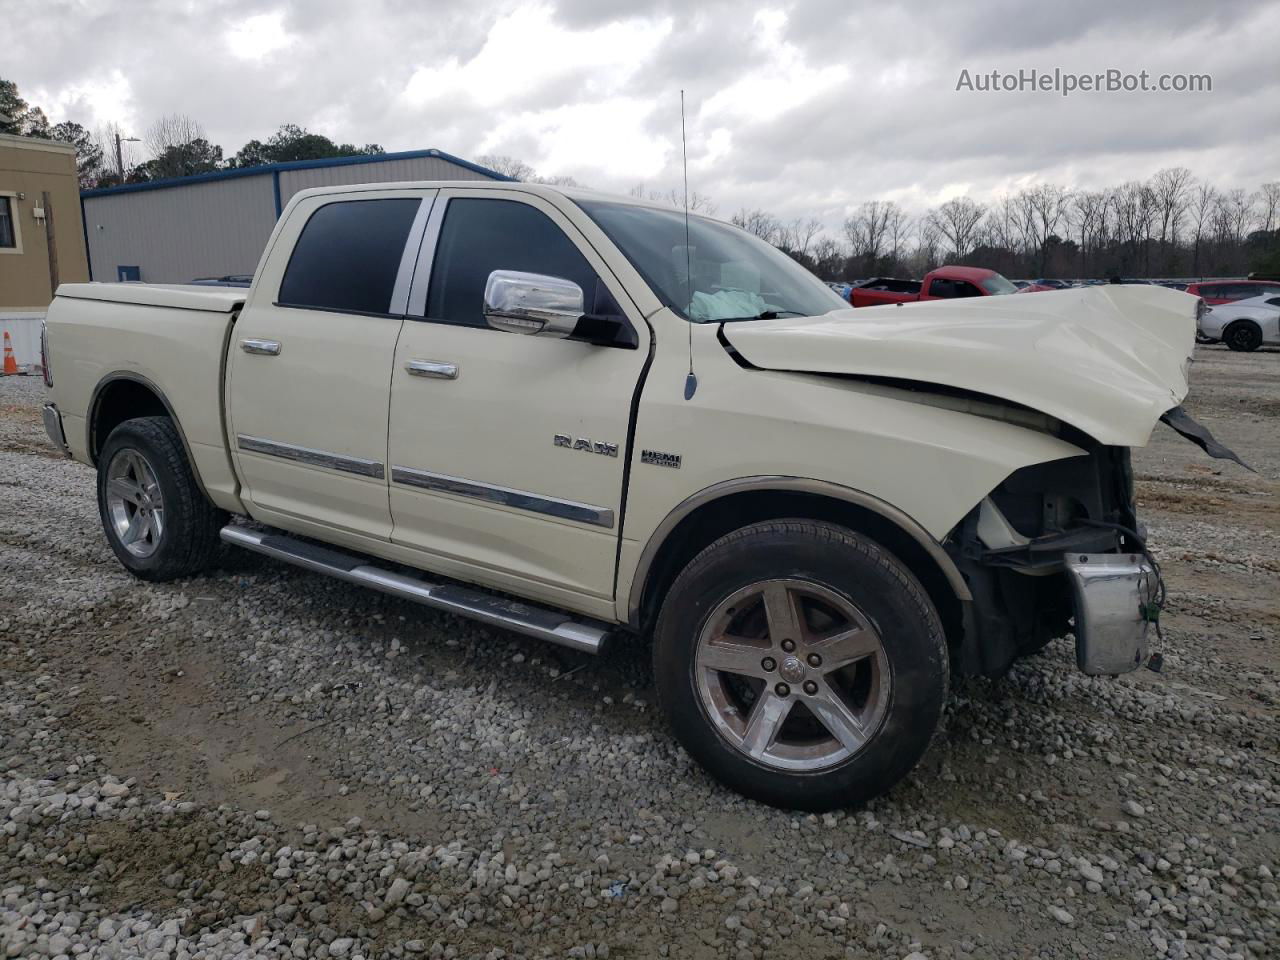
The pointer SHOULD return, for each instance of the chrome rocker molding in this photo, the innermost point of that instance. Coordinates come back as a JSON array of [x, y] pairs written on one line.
[[822, 488], [314, 458], [520, 499], [496, 611]]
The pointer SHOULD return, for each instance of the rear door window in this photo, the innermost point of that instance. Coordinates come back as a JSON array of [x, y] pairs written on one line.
[[348, 256]]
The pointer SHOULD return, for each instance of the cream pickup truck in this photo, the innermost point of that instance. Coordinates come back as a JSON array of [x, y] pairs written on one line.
[[584, 419]]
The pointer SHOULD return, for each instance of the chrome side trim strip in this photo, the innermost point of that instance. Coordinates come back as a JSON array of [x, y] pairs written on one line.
[[520, 499], [538, 622], [314, 458]]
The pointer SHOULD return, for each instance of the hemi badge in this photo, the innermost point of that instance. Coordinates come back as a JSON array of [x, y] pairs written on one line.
[[659, 459]]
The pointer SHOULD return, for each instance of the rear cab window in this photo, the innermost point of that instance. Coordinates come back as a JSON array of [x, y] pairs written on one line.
[[348, 256]]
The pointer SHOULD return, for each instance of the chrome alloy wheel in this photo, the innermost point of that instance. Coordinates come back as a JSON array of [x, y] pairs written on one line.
[[792, 674], [134, 503]]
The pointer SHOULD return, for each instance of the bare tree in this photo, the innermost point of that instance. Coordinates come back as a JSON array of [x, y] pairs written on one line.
[[1042, 207], [1172, 193], [1269, 204], [1233, 216], [868, 230], [507, 166], [1090, 214], [957, 221], [928, 245], [1204, 200], [171, 130], [104, 139], [799, 234], [758, 222]]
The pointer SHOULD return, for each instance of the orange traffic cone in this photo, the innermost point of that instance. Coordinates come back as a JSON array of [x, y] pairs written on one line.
[[10, 364]]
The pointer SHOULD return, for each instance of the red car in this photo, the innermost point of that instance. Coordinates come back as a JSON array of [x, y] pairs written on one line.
[[943, 283], [1214, 292]]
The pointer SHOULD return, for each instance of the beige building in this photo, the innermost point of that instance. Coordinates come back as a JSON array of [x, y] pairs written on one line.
[[41, 228]]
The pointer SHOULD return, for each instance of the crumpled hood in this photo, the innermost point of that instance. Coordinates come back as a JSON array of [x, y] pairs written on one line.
[[1109, 360]]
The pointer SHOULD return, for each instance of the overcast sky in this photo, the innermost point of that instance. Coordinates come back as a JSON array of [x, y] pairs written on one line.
[[802, 108]]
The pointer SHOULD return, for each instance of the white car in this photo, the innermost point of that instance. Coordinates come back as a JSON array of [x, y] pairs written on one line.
[[1243, 324], [589, 420]]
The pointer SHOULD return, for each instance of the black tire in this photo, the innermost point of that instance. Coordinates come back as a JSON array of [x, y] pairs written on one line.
[[850, 566], [1243, 336], [188, 541]]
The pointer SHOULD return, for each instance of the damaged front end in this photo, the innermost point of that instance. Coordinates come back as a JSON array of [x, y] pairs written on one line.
[[1057, 542]]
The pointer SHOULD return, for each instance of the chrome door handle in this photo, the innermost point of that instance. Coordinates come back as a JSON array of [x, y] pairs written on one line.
[[432, 368], [267, 348]]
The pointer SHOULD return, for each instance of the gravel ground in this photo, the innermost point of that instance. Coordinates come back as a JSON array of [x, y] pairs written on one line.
[[265, 763]]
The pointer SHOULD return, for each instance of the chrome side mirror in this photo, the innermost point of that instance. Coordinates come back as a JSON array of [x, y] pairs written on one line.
[[532, 303]]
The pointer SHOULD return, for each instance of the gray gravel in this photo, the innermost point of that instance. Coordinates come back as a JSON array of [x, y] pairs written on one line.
[[264, 763]]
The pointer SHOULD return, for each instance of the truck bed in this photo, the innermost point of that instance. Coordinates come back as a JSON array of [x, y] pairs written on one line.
[[172, 338], [179, 296]]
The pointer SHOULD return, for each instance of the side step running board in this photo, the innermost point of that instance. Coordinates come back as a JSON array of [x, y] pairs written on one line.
[[496, 611]]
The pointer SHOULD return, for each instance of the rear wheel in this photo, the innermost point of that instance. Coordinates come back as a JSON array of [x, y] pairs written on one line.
[[158, 522], [801, 664], [1243, 335]]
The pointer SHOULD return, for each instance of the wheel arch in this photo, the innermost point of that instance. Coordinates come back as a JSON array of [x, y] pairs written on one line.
[[123, 395], [1242, 321], [709, 514]]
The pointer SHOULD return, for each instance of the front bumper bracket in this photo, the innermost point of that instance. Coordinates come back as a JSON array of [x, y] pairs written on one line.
[[1111, 592]]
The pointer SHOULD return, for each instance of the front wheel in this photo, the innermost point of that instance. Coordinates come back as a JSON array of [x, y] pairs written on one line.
[[1243, 335], [801, 664], [158, 521]]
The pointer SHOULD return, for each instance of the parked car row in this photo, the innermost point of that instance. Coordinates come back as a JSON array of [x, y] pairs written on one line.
[[969, 282]]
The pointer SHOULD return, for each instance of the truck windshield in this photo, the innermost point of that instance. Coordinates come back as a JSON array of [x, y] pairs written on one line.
[[735, 276], [996, 283]]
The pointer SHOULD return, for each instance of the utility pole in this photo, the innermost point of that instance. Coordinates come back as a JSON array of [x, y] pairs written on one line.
[[119, 160]]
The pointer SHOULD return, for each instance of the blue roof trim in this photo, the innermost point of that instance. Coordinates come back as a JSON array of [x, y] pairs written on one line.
[[277, 168]]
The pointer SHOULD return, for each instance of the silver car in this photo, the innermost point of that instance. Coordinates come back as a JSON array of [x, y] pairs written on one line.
[[1243, 324]]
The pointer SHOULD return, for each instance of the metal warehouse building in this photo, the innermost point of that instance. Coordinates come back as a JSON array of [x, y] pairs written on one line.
[[217, 224]]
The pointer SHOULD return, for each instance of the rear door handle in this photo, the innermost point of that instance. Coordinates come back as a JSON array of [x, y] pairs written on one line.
[[267, 348], [432, 368]]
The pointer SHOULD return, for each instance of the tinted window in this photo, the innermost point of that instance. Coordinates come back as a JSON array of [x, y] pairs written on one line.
[[939, 287], [966, 289], [6, 223], [479, 236], [348, 256], [1213, 290]]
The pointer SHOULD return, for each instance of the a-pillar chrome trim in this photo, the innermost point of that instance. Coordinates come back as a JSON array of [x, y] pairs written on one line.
[[505, 496], [312, 457]]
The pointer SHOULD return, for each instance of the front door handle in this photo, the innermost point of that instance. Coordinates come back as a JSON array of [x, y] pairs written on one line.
[[266, 348], [432, 368]]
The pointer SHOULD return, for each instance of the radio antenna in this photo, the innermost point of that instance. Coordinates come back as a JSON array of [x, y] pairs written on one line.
[[691, 381]]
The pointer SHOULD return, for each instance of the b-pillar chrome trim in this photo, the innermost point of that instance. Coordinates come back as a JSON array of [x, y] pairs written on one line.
[[311, 457], [507, 497], [791, 484]]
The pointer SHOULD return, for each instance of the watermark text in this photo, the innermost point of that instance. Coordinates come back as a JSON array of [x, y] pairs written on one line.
[[1065, 82]]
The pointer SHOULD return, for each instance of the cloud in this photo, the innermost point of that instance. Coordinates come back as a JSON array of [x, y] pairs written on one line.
[[797, 107], [259, 36]]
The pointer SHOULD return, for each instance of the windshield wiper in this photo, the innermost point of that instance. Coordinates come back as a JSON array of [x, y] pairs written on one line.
[[765, 315]]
